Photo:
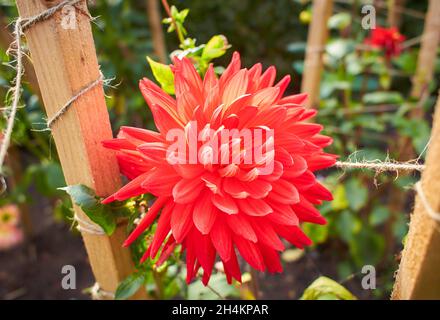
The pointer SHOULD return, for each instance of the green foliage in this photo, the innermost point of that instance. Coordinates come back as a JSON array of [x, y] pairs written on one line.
[[163, 75], [129, 286], [218, 289], [99, 213], [325, 288]]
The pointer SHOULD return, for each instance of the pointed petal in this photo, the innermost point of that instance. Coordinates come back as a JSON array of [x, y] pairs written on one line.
[[205, 213], [187, 190], [181, 221], [254, 207], [221, 238]]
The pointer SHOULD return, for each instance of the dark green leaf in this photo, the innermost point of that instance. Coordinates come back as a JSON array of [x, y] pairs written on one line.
[[129, 286], [100, 214]]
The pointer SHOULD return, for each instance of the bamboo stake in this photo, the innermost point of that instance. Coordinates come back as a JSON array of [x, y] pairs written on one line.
[[425, 70], [154, 17], [394, 14], [428, 50], [418, 276], [317, 37], [65, 61]]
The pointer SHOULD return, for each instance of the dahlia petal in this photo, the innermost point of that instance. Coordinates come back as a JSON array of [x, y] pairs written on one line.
[[154, 151], [267, 79], [147, 220], [305, 130], [232, 269], [204, 213], [187, 190], [250, 252], [212, 182], [294, 235], [321, 140], [164, 121], [265, 97], [181, 221], [162, 230], [321, 161], [320, 192], [295, 99], [266, 234], [246, 114], [225, 203], [221, 239], [210, 80], [283, 156], [131, 189], [118, 144], [189, 171], [161, 181], [271, 259], [241, 226], [254, 74], [297, 169], [283, 85], [154, 95], [235, 87], [254, 207], [141, 134], [231, 69], [284, 192], [167, 250], [205, 253], [272, 116], [282, 214], [304, 181], [305, 211]]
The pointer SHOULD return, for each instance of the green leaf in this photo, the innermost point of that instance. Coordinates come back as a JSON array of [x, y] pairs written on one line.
[[129, 286], [163, 75], [318, 233], [197, 291], [382, 97], [367, 247], [339, 48], [216, 47], [348, 225], [100, 214], [379, 215], [340, 201], [339, 21], [325, 288], [357, 195]]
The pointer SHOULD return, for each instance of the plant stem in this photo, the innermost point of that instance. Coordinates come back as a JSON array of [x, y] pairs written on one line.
[[255, 286], [168, 11]]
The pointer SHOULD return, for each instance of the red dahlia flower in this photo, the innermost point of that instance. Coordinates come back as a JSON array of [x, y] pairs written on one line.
[[228, 198], [390, 40]]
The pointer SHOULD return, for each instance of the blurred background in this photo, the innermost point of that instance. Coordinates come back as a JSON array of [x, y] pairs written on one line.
[[364, 105]]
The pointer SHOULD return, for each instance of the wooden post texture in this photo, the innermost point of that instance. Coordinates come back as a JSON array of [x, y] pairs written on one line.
[[316, 39], [395, 8], [418, 276], [155, 20], [428, 50], [65, 62]]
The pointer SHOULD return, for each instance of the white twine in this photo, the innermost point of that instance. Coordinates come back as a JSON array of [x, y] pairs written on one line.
[[67, 105], [380, 166], [429, 210], [85, 226], [99, 294]]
